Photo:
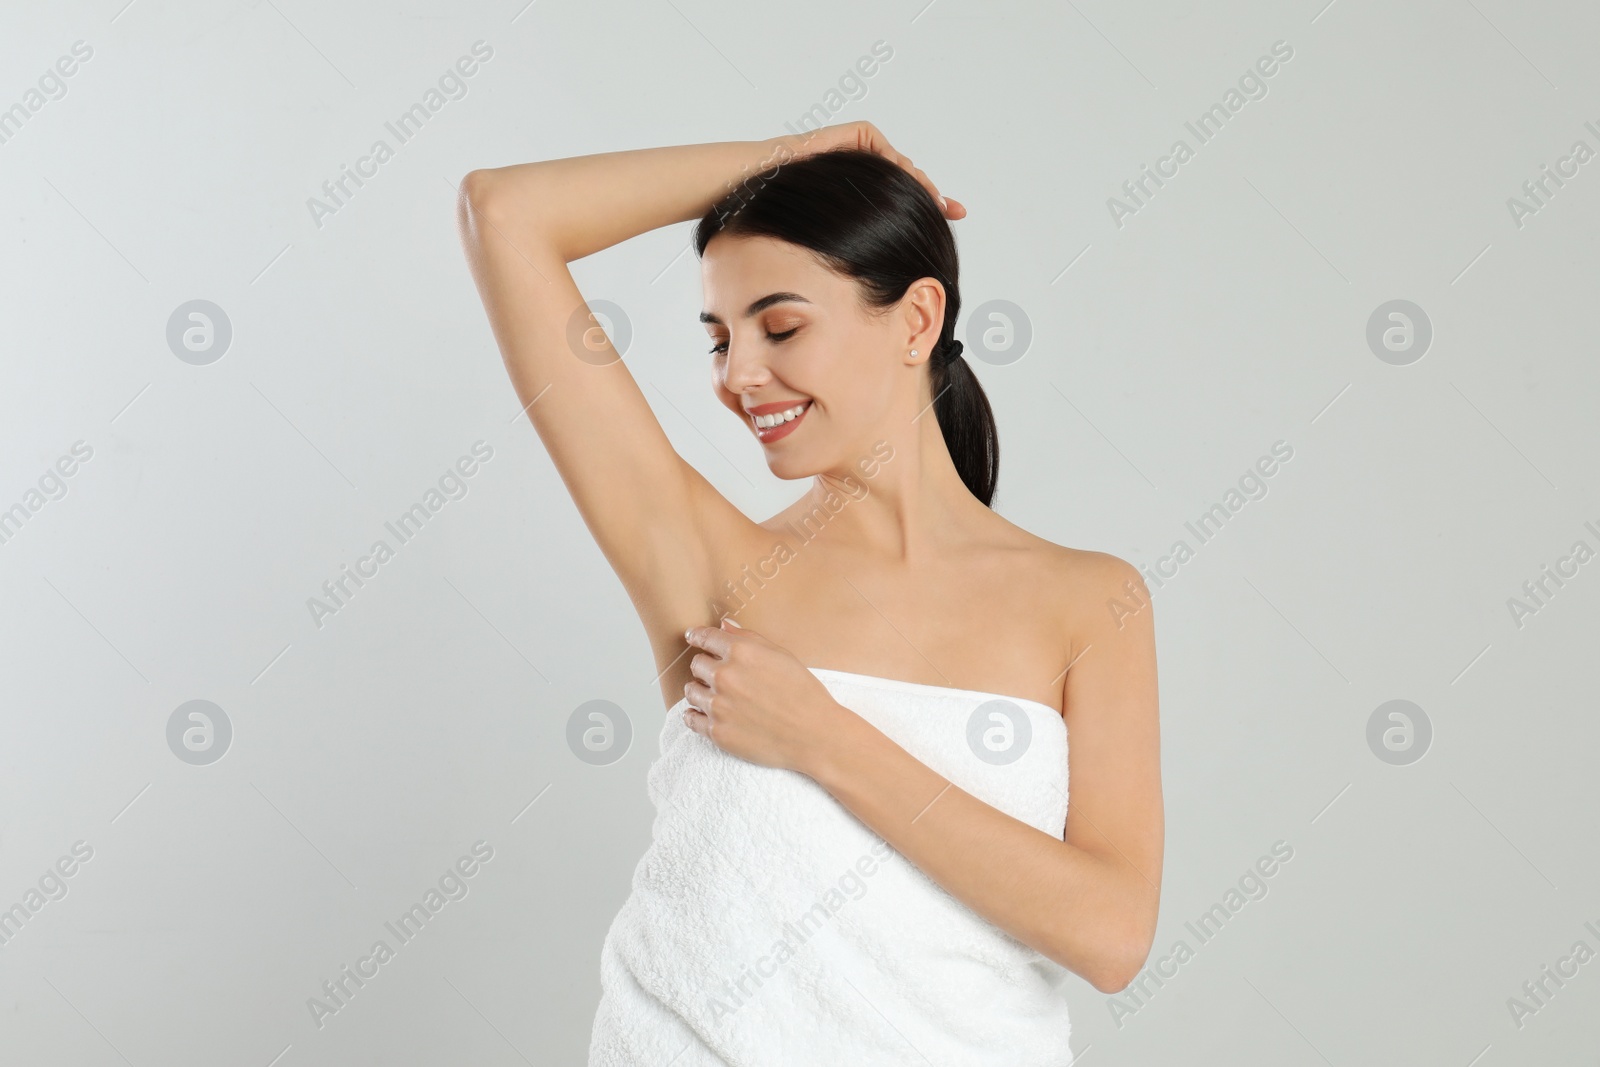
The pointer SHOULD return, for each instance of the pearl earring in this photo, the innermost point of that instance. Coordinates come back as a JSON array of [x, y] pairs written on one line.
[[913, 353]]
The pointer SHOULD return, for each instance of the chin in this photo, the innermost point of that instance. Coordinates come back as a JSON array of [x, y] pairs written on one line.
[[790, 467]]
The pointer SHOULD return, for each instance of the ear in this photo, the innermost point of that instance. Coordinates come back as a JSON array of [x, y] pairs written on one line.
[[923, 307]]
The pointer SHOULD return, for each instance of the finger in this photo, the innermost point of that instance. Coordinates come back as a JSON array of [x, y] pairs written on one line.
[[713, 639], [905, 163], [737, 633], [927, 183], [871, 138], [704, 668], [695, 720], [868, 136], [699, 696]]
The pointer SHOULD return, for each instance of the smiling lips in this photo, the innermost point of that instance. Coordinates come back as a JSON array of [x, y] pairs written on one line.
[[780, 419]]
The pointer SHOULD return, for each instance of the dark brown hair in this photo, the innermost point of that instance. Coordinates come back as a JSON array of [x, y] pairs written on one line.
[[869, 219]]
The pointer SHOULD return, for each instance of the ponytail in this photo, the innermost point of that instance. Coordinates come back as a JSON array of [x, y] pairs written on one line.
[[967, 421]]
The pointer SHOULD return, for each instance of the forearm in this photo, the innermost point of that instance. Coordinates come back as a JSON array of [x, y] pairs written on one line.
[[1089, 913], [583, 204]]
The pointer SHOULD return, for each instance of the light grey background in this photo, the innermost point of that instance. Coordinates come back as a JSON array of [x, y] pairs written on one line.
[[1167, 355]]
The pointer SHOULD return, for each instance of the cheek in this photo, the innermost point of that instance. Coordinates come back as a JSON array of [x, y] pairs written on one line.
[[850, 394], [725, 398]]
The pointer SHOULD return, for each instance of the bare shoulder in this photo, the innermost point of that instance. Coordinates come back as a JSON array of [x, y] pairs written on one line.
[[1097, 575], [1078, 570], [1097, 592]]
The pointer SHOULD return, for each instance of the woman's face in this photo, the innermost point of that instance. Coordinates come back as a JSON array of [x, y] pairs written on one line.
[[786, 332]]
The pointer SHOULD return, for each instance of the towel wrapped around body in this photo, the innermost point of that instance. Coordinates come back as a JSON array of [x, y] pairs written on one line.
[[768, 925]]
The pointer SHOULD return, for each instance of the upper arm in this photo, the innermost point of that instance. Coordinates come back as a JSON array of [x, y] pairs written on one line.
[[647, 508], [1114, 762]]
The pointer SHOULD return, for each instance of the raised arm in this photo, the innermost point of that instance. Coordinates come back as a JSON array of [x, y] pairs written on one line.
[[521, 225]]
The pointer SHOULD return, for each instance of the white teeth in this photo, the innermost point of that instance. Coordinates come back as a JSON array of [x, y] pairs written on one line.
[[765, 422]]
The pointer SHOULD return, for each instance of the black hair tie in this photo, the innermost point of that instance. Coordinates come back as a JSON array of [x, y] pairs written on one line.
[[951, 352]]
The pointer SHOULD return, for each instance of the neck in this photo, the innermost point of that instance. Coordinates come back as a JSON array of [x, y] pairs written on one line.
[[913, 507]]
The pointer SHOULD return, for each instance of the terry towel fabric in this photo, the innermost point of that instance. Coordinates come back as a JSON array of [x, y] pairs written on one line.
[[768, 925]]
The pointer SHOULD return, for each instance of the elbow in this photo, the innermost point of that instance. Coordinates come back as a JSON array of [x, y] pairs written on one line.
[[1123, 957], [1110, 967], [478, 209], [501, 201], [474, 193], [1117, 972]]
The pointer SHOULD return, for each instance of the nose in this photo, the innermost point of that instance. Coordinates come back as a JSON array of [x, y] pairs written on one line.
[[743, 368]]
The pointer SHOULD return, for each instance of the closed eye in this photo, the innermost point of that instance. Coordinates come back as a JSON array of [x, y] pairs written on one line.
[[777, 338]]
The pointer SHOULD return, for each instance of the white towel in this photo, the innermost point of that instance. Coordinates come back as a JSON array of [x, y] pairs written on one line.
[[768, 925]]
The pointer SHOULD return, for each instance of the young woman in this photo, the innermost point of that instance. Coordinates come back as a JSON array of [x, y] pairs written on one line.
[[862, 848]]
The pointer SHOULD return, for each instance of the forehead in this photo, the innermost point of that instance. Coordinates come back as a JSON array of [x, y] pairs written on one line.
[[736, 271]]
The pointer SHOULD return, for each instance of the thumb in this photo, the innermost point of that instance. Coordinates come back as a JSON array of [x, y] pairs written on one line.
[[727, 620]]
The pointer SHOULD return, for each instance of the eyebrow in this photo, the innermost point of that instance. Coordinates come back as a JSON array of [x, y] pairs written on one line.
[[759, 306]]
